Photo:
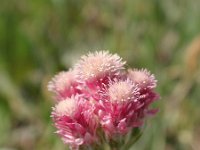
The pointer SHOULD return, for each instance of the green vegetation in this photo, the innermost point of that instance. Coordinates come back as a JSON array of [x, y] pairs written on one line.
[[39, 38]]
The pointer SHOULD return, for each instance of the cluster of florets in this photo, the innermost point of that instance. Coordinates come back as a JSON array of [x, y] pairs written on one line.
[[98, 99]]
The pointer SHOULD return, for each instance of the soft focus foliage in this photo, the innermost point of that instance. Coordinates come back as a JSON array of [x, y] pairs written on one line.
[[39, 38]]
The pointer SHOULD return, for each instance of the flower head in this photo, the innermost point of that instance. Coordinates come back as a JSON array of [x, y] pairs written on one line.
[[143, 78], [98, 66], [75, 121], [122, 91], [118, 110], [64, 85], [146, 83]]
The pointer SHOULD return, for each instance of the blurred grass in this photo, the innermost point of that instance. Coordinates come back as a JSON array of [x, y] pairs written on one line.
[[40, 38]]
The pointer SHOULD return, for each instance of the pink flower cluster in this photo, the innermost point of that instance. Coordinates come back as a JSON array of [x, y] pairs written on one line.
[[99, 98]]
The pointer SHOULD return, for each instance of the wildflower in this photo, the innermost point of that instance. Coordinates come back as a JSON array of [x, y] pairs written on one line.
[[75, 122], [99, 101], [64, 85]]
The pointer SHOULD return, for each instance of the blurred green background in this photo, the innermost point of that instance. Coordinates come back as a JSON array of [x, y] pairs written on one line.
[[39, 38]]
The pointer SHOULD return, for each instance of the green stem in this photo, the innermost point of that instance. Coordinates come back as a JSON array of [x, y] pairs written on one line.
[[131, 141]]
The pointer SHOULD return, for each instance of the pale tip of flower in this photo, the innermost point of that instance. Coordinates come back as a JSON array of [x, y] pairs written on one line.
[[66, 107], [61, 81], [142, 78], [98, 64], [122, 91], [63, 84]]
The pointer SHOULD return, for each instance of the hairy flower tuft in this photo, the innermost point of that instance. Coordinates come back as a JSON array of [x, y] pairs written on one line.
[[142, 77], [99, 65], [122, 91], [64, 85], [65, 107], [75, 121]]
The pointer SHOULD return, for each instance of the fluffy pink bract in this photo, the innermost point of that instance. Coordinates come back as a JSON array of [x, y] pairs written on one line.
[[97, 68], [75, 122], [64, 85]]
